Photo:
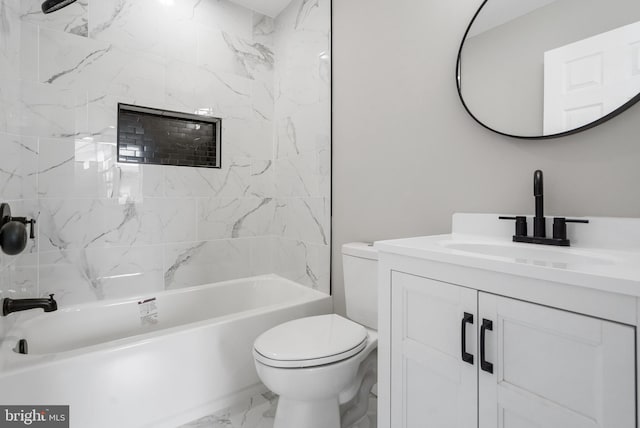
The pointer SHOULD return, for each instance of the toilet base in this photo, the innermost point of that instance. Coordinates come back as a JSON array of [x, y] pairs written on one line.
[[300, 414]]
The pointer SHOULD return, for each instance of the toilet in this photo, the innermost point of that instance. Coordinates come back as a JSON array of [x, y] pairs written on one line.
[[324, 367]]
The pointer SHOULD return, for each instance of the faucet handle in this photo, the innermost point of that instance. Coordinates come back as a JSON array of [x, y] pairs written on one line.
[[32, 233], [575, 220], [560, 226], [521, 224]]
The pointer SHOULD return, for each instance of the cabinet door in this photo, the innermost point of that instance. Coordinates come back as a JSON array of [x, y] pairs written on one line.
[[431, 386], [554, 369]]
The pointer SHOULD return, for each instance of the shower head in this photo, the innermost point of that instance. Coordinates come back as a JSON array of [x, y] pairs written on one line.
[[52, 5]]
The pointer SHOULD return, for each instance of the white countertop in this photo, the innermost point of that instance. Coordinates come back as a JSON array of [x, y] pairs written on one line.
[[604, 255]]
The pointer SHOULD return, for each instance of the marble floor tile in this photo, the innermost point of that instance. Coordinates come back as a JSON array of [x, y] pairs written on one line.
[[256, 412], [259, 412]]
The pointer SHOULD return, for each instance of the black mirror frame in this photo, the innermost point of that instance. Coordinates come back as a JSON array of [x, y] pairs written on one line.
[[593, 124]]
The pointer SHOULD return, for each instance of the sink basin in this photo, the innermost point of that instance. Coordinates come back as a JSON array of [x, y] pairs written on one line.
[[542, 256]]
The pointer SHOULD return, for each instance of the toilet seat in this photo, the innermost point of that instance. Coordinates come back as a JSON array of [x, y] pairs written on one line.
[[310, 342]]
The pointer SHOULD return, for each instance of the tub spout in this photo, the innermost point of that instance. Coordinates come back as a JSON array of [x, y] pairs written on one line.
[[16, 305]]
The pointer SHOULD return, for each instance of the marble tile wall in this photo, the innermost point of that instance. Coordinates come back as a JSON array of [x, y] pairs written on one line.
[[108, 230], [302, 142]]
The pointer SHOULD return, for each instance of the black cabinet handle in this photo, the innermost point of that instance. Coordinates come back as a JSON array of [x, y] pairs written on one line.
[[484, 364], [467, 319]]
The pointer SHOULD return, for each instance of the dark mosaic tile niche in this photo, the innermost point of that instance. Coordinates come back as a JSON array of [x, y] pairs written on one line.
[[151, 136]]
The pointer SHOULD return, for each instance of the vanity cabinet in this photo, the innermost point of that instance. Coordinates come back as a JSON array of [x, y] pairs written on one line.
[[462, 357]]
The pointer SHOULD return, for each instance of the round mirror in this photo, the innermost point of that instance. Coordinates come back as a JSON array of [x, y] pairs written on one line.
[[547, 68]]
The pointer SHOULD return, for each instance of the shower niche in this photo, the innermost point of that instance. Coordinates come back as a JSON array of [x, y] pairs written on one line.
[[151, 136]]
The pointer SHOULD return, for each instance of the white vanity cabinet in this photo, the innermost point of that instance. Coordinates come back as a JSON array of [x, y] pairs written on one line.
[[554, 369], [476, 331], [428, 376], [460, 357]]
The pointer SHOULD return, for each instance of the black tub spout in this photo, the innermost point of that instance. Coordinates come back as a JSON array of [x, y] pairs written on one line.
[[16, 305]]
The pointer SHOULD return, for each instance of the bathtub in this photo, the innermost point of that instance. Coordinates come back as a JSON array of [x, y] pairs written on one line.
[[157, 360]]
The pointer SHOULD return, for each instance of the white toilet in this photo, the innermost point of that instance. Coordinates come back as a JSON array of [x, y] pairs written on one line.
[[323, 367]]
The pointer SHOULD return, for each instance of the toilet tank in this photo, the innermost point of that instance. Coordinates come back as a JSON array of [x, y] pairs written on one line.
[[360, 265]]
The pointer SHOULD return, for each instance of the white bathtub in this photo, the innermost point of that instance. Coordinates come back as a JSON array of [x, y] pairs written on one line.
[[156, 364]]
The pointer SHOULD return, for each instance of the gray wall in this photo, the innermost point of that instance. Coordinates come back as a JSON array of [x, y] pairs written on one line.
[[407, 156]]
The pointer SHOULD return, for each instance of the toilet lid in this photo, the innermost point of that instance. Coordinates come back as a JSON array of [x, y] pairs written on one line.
[[310, 341]]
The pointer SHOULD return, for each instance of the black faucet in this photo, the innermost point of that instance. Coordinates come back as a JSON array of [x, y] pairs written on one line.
[[16, 305], [539, 221]]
